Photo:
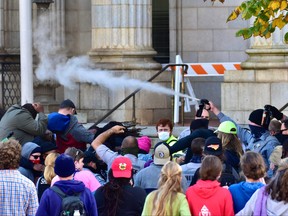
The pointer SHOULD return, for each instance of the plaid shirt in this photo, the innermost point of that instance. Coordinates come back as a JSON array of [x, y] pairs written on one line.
[[18, 194]]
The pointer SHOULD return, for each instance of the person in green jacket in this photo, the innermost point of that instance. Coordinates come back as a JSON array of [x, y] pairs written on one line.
[[168, 199], [21, 120]]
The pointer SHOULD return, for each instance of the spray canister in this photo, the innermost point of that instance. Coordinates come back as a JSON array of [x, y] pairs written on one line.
[[265, 118]]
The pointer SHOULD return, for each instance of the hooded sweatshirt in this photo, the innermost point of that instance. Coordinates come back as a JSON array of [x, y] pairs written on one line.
[[25, 153], [208, 198], [69, 133], [273, 207], [242, 192], [51, 203]]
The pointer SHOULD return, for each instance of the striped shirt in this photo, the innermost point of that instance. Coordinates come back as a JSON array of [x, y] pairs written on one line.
[[18, 194]]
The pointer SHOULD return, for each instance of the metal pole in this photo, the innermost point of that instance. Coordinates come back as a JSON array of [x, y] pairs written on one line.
[[183, 92], [25, 16], [134, 109]]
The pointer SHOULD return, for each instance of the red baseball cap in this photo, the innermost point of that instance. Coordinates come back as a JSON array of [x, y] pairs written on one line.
[[122, 167]]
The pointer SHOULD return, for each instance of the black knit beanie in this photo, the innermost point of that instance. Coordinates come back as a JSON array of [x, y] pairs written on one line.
[[256, 116]]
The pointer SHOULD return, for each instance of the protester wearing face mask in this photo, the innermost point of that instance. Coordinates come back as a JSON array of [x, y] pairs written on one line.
[[31, 152], [259, 139], [164, 129]]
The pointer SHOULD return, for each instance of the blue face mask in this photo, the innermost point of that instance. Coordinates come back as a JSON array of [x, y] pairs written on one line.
[[257, 131]]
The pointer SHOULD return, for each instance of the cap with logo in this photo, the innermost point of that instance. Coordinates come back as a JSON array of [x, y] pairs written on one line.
[[213, 146], [121, 167], [161, 153]]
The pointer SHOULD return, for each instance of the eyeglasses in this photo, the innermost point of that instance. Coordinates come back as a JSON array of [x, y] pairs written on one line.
[[36, 156], [281, 131]]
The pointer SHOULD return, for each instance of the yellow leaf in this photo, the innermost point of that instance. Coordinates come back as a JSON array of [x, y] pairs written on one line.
[[278, 22], [232, 16], [283, 5], [274, 5], [268, 35], [286, 18]]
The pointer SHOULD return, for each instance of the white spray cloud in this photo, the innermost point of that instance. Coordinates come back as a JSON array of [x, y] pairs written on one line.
[[54, 65]]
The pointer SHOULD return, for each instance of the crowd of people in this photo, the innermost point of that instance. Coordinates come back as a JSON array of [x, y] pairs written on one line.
[[53, 165]]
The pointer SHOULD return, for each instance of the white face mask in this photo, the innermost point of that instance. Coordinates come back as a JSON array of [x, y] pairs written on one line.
[[164, 135]]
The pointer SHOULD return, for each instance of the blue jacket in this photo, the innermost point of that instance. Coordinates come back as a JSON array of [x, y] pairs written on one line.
[[242, 192], [50, 203], [248, 139]]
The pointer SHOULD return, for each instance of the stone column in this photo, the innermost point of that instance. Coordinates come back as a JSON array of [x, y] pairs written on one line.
[[122, 44], [45, 90], [57, 17], [263, 80], [122, 35]]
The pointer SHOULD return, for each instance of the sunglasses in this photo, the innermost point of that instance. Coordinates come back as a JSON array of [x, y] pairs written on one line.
[[36, 156]]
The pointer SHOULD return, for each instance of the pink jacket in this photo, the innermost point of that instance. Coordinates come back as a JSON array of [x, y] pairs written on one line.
[[84, 176]]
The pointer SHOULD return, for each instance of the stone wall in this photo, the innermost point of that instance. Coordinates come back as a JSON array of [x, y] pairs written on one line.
[[246, 90], [199, 32]]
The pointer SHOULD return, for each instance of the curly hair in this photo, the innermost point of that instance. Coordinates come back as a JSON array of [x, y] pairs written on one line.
[[169, 185], [231, 142], [278, 186], [253, 165], [10, 154], [49, 173]]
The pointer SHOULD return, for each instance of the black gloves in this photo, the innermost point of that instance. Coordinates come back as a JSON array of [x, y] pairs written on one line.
[[274, 111]]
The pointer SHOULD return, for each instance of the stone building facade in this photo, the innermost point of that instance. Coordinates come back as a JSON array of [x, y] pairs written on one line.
[[117, 36]]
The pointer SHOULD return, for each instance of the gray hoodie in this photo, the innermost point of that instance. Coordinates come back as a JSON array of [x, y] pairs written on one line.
[[25, 153]]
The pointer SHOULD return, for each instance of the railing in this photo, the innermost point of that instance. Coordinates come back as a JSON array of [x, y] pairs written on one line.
[[11, 84], [184, 69]]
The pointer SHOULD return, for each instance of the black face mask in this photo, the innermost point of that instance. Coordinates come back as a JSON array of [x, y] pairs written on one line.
[[281, 137], [257, 131]]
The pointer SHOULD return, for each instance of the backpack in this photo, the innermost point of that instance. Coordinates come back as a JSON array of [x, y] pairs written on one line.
[[71, 204], [227, 178]]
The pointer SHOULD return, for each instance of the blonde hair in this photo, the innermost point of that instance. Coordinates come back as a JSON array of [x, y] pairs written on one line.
[[49, 173], [169, 185]]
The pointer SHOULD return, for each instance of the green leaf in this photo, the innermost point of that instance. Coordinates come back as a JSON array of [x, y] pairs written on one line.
[[286, 38]]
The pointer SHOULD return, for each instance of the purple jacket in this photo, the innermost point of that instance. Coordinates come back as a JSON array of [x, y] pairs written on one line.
[[50, 203]]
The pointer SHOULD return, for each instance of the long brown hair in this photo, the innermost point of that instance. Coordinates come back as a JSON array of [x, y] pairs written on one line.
[[278, 186], [169, 185], [231, 142]]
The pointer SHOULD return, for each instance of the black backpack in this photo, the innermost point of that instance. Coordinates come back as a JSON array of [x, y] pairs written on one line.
[[70, 203], [227, 178]]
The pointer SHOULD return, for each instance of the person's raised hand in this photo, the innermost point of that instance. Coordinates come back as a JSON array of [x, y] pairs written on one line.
[[274, 111], [117, 129], [38, 107], [213, 108]]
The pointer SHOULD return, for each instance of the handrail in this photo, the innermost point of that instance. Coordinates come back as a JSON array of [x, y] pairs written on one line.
[[185, 68], [284, 107]]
